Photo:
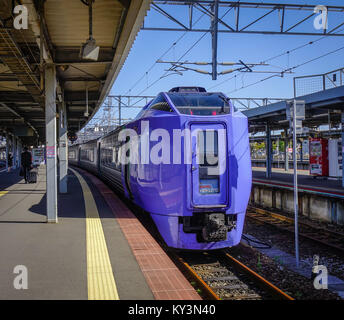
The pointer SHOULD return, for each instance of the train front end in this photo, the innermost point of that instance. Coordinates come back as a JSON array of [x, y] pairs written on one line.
[[216, 176]]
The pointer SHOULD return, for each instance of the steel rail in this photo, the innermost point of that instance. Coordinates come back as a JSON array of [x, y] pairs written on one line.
[[321, 235], [262, 282], [206, 291]]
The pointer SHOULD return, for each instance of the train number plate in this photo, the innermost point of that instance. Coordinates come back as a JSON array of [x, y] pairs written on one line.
[[209, 186]]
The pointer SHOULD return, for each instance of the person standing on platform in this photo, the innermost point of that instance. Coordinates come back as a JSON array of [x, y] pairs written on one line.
[[10, 161], [26, 163]]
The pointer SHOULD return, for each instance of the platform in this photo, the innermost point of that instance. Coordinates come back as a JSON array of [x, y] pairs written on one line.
[[330, 187], [319, 198], [97, 250]]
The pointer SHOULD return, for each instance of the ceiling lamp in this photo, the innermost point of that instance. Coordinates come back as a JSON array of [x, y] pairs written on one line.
[[89, 50]]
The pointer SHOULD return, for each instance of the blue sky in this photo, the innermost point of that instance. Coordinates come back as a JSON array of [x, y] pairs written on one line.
[[150, 45]]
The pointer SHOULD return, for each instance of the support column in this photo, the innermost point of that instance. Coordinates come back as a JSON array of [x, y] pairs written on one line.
[[63, 143], [7, 149], [50, 122], [14, 151], [286, 153], [342, 148], [268, 151], [119, 111], [19, 144], [214, 35]]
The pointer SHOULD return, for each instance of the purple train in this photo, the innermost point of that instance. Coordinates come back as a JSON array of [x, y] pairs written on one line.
[[185, 160]]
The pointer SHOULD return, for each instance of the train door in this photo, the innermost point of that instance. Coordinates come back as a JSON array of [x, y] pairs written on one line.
[[127, 172], [209, 165]]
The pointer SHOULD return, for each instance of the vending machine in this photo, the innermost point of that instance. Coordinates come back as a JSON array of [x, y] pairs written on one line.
[[335, 157], [318, 156]]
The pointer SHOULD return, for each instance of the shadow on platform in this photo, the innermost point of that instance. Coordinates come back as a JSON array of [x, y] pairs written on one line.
[[41, 207], [8, 179]]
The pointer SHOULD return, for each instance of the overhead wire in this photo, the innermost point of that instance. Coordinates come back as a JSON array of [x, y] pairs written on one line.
[[182, 56], [289, 69], [163, 55], [280, 55]]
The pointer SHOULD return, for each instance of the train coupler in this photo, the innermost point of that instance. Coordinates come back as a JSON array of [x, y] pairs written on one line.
[[215, 228]]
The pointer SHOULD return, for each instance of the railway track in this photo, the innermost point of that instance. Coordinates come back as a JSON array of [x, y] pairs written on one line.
[[321, 235], [219, 276], [224, 277]]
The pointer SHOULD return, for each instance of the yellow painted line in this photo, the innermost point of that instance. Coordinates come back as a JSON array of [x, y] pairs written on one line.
[[2, 193], [100, 280]]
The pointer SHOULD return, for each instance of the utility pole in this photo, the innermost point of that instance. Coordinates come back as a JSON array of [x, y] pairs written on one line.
[[296, 200], [295, 117], [119, 110], [214, 34]]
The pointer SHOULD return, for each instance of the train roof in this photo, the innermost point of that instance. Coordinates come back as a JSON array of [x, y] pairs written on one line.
[[188, 89]]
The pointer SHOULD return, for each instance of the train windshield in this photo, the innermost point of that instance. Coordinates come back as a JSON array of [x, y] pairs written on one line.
[[206, 104]]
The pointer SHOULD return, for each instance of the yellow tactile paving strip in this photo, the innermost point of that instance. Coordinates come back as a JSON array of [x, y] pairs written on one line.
[[100, 280], [2, 193]]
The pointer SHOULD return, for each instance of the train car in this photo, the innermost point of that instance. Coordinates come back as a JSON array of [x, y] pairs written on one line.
[[185, 160], [73, 155], [88, 156]]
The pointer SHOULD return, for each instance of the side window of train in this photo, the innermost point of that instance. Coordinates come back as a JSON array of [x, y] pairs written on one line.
[[160, 103], [115, 152]]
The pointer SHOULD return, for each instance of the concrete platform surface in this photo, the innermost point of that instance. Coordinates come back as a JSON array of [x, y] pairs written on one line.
[[88, 254], [309, 183]]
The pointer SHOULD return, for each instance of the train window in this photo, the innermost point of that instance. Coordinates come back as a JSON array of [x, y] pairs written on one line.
[[162, 106], [208, 157], [208, 148], [109, 152], [200, 104], [160, 103], [71, 154], [87, 155]]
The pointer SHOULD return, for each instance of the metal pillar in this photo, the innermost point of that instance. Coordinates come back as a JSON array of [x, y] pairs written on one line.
[[268, 149], [19, 144], [14, 151], [214, 35], [7, 149], [63, 143], [50, 122], [296, 202], [119, 110], [342, 118], [286, 153]]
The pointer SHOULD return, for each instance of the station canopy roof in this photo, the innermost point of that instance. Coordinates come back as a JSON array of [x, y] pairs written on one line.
[[65, 27], [320, 108]]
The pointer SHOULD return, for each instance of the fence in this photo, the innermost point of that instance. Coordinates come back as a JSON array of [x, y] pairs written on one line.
[[310, 84]]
